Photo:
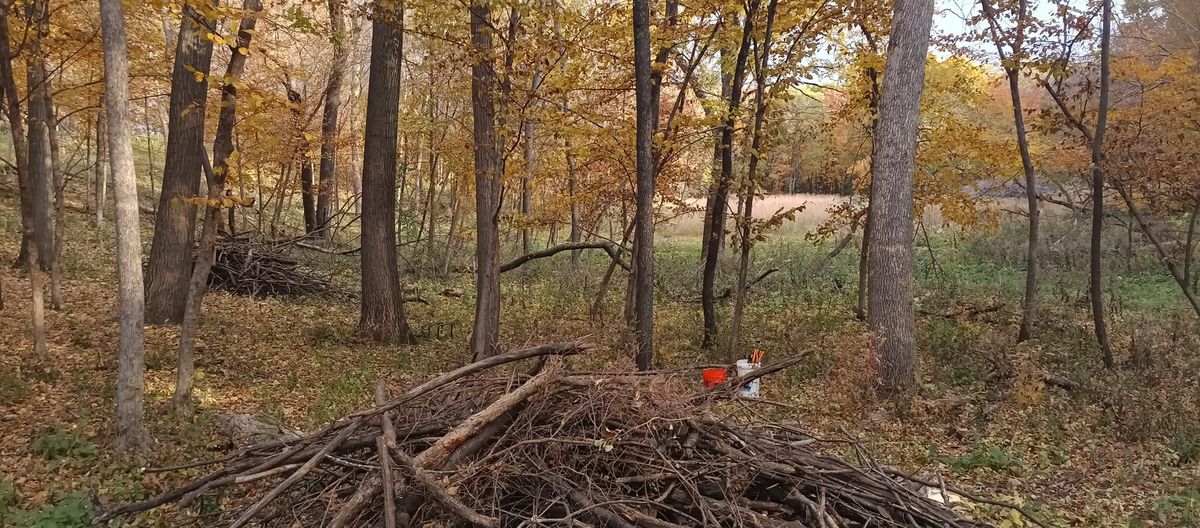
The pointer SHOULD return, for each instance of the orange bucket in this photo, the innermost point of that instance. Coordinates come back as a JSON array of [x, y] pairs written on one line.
[[714, 376]]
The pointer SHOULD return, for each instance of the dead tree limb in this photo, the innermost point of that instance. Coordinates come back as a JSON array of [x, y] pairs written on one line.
[[551, 251]]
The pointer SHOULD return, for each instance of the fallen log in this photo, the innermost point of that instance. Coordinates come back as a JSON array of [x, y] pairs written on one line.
[[551, 251]]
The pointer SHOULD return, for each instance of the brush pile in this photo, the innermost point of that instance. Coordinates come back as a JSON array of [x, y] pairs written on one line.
[[245, 267], [542, 446]]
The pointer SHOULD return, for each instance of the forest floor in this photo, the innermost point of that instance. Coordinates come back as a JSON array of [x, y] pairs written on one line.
[[1119, 448]]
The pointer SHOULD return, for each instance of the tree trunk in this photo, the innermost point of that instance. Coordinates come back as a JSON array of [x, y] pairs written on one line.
[[1012, 69], [860, 309], [39, 121], [721, 191], [1189, 247], [170, 261], [100, 171], [452, 232], [1163, 253], [643, 241], [326, 192], [58, 190], [485, 335], [382, 310], [526, 183], [131, 368], [28, 226], [1095, 273], [751, 187], [216, 176], [889, 283]]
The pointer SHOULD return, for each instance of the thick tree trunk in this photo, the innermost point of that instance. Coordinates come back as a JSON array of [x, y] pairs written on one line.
[[216, 176], [170, 262], [721, 190], [382, 310], [326, 188], [485, 336], [890, 314], [643, 242], [751, 184], [39, 120], [131, 368], [1095, 272], [1012, 69]]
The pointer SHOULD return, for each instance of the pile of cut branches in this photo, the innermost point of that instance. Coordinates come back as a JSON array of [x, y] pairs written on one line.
[[246, 267], [543, 446]]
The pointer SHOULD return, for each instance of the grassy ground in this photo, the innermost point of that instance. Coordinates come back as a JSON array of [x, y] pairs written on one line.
[[1120, 449]]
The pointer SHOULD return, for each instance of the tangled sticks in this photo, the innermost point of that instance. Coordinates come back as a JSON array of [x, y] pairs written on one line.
[[249, 268], [553, 448]]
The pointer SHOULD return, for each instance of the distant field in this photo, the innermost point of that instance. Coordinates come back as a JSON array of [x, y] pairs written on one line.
[[814, 212]]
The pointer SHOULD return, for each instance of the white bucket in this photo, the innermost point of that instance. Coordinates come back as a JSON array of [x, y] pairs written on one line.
[[750, 389]]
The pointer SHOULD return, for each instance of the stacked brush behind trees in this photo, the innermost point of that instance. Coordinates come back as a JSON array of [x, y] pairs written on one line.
[[245, 267], [540, 445]]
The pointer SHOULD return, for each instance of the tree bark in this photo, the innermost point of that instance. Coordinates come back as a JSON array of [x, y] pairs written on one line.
[[131, 433], [889, 283], [382, 310], [1012, 70], [326, 192], [100, 172], [1095, 271], [216, 176], [38, 121], [643, 241], [721, 191], [485, 335], [16, 127], [751, 186], [28, 225], [1189, 247], [170, 261]]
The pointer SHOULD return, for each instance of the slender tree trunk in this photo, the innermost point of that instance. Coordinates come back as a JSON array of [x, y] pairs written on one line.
[[721, 191], [572, 194], [216, 176], [1189, 248], [170, 262], [526, 185], [326, 193], [382, 311], [1163, 253], [860, 310], [890, 314], [452, 233], [1095, 274], [100, 172], [56, 171], [1012, 69], [431, 205], [485, 336], [751, 184], [131, 368]]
